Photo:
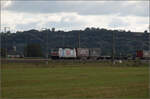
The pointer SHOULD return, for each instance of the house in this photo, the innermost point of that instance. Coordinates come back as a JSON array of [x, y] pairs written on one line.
[[14, 54]]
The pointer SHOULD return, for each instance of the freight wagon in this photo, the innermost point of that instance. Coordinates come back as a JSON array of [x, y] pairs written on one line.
[[143, 54], [82, 53], [94, 53], [67, 53]]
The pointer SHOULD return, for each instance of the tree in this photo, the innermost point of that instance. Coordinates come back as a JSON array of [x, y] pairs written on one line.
[[87, 29], [145, 31], [53, 29], [33, 50], [3, 52]]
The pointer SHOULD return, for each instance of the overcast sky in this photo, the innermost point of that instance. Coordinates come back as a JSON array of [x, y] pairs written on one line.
[[72, 15]]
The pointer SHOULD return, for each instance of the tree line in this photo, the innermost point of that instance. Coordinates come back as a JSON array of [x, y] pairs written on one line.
[[126, 42]]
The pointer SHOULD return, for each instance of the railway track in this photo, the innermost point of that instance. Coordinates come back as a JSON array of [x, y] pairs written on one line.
[[42, 60]]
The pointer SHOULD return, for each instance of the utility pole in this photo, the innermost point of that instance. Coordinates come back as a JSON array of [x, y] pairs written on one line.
[[113, 47], [46, 44], [79, 40], [63, 45], [149, 28], [5, 31], [47, 48]]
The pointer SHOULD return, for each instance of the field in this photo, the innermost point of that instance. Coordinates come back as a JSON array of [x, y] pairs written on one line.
[[74, 80]]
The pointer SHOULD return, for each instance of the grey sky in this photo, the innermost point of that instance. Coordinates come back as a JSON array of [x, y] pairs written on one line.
[[23, 15], [82, 7]]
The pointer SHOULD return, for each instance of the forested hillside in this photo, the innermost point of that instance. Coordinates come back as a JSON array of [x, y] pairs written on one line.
[[125, 42]]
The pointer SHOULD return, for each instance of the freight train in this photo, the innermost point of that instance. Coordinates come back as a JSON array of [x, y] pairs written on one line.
[[91, 53], [75, 53]]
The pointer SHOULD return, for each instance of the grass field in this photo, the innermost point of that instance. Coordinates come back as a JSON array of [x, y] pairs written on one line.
[[74, 80]]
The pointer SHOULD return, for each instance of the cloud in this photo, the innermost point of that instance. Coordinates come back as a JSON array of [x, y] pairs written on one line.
[[68, 21], [5, 4], [68, 15], [123, 8], [117, 23], [24, 21]]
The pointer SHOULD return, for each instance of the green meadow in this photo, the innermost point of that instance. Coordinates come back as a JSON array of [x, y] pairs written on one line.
[[74, 80]]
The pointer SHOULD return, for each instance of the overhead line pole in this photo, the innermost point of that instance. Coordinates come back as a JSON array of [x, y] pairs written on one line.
[[5, 42], [5, 31], [46, 46], [79, 40], [63, 36], [113, 47]]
